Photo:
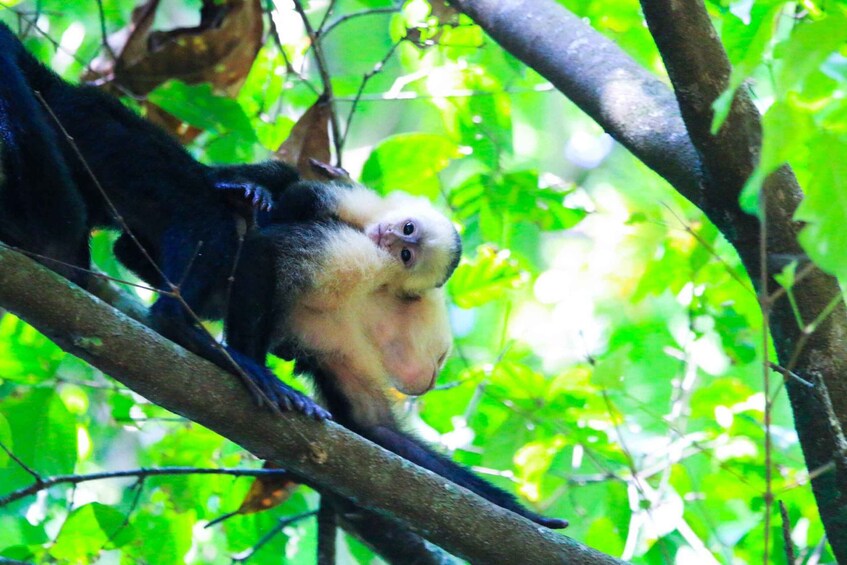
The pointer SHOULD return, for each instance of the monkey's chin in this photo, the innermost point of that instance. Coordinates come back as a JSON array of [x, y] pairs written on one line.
[[416, 386]]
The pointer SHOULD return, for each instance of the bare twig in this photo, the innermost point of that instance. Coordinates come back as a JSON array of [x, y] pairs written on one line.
[[142, 473], [326, 79], [38, 479], [786, 535], [368, 76], [347, 17], [327, 532], [271, 534]]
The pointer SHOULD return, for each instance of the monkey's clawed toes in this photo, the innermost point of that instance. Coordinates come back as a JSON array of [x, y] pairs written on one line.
[[288, 399]]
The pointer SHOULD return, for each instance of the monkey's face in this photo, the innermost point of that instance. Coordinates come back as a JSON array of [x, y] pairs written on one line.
[[402, 238], [423, 242]]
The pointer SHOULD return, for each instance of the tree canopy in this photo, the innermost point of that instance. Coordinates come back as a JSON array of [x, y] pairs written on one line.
[[649, 331]]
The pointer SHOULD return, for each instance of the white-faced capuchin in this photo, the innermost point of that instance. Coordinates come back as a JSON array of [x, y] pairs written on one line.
[[351, 289]]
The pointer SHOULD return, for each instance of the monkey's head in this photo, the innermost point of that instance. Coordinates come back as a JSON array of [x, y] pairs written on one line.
[[420, 238]]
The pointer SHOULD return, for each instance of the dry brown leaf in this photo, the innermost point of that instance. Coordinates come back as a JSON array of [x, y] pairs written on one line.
[[268, 492], [220, 51], [308, 140]]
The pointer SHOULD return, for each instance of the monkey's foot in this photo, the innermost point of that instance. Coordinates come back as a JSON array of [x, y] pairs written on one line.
[[286, 398]]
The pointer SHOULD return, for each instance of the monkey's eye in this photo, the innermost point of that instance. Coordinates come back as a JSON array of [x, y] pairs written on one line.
[[406, 255], [409, 228]]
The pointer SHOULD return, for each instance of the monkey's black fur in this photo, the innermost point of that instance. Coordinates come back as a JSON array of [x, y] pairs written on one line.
[[41, 210], [168, 200], [186, 216]]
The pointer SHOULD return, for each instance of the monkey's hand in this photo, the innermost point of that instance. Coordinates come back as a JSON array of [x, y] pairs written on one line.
[[246, 194]]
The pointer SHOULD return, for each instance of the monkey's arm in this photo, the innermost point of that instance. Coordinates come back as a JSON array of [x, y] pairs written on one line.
[[256, 306]]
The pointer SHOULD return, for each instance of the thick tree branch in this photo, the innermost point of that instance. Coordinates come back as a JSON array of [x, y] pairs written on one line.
[[327, 454], [631, 104], [700, 71], [643, 115]]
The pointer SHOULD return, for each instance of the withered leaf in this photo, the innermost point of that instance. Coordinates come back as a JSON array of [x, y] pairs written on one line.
[[309, 140]]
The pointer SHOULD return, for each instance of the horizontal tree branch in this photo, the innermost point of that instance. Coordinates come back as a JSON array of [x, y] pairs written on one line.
[[327, 454]]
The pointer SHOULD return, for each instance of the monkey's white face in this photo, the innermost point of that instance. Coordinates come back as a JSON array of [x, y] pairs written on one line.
[[419, 238], [401, 238]]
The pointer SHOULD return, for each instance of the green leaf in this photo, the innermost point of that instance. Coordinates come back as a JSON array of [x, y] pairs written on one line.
[[807, 48], [89, 530], [824, 208], [409, 162], [43, 430], [199, 106], [786, 128], [609, 370], [787, 276], [485, 277]]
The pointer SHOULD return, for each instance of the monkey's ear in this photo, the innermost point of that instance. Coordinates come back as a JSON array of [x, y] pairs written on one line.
[[328, 171]]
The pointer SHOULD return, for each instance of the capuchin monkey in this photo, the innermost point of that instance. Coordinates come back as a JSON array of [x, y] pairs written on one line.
[[352, 291]]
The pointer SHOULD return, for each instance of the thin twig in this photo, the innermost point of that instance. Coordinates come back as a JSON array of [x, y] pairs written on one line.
[[287, 521], [368, 76], [329, 10], [786, 535], [91, 272], [765, 306], [103, 35], [348, 17], [791, 375], [326, 79], [48, 482], [38, 479]]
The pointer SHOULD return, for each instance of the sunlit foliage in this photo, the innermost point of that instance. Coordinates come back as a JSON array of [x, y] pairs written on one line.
[[608, 356]]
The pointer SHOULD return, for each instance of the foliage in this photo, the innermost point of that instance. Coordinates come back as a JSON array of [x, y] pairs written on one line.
[[608, 358]]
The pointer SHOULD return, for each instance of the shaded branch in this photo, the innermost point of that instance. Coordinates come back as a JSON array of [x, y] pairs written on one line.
[[327, 454]]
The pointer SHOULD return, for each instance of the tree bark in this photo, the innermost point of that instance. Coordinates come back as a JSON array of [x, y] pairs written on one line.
[[327, 454], [644, 115]]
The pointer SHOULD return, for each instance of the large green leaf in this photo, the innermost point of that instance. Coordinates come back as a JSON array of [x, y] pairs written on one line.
[[824, 208], [485, 277], [409, 162]]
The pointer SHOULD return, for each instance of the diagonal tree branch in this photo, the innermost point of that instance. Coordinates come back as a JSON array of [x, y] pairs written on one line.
[[644, 115], [700, 71], [327, 454]]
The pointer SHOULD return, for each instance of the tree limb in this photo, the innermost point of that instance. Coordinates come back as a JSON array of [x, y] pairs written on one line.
[[328, 454], [641, 113]]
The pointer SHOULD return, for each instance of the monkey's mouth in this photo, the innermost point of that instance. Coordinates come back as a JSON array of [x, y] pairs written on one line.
[[379, 236]]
